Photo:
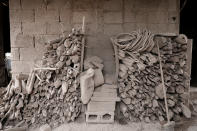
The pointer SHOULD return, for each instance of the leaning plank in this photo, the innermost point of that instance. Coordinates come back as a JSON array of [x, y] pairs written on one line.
[[188, 67]]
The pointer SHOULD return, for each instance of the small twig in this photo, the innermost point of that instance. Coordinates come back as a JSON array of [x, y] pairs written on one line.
[[38, 77], [20, 123]]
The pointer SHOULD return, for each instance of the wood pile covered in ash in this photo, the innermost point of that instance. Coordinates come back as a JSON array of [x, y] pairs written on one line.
[[51, 93], [139, 76]]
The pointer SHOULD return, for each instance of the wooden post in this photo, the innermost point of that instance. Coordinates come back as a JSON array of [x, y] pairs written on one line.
[[83, 42], [188, 67]]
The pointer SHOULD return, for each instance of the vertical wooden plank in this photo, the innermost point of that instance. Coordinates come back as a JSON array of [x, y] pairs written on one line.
[[188, 67]]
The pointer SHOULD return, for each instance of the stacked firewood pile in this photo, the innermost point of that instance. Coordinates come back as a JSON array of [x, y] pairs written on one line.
[[52, 93], [139, 76]]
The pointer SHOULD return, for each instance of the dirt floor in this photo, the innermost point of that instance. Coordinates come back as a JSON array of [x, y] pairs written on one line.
[[108, 127]]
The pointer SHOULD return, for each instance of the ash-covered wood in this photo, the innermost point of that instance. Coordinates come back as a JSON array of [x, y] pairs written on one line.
[[139, 76], [52, 93]]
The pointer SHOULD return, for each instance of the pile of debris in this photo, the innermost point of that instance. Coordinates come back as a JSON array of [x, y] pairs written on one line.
[[139, 76], [51, 94]]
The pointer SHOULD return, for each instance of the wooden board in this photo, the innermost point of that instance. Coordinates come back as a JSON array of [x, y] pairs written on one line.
[[188, 66]]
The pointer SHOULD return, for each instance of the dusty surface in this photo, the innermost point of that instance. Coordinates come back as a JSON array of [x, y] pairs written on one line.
[[118, 127], [109, 127]]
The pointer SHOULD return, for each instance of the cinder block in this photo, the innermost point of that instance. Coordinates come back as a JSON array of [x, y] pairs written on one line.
[[40, 40], [101, 106], [162, 28], [58, 4], [54, 28], [83, 5], [173, 28], [159, 5], [34, 28], [129, 5], [14, 4], [66, 27], [113, 17], [173, 5], [21, 15], [173, 17], [113, 5], [151, 5], [21, 66], [158, 17], [143, 4], [99, 16], [15, 27], [141, 26], [91, 42], [106, 55], [104, 41], [158, 28], [49, 15], [33, 4], [23, 41], [113, 29], [78, 16], [129, 27], [141, 16], [90, 29], [129, 16], [30, 54], [15, 15], [100, 41], [27, 15], [15, 54], [100, 117], [154, 28], [65, 15]]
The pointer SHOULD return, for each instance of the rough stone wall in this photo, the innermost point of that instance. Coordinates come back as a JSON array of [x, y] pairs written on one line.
[[33, 21]]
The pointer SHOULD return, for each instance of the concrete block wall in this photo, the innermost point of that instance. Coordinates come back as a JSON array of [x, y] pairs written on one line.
[[33, 21]]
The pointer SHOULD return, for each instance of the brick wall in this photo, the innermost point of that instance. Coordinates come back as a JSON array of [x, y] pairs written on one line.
[[32, 22]]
